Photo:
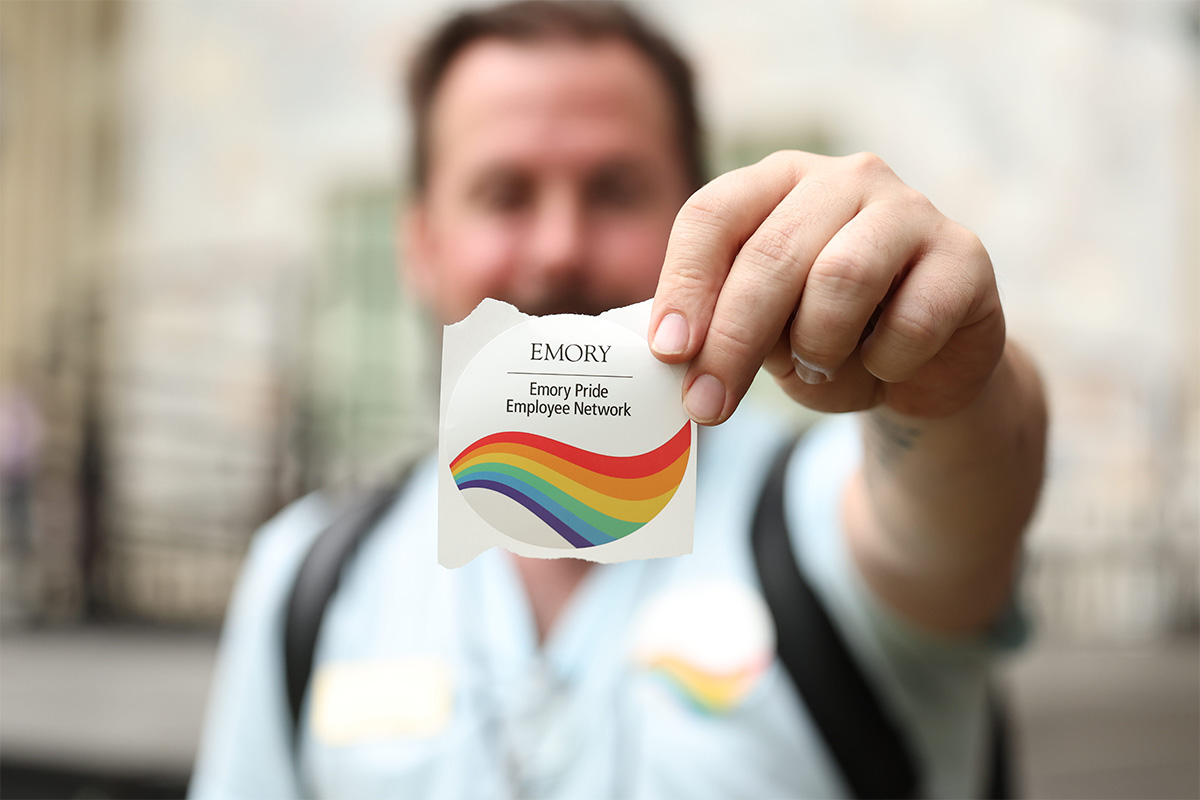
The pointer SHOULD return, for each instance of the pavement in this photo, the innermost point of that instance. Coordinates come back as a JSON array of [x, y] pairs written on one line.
[[1107, 722], [103, 701], [128, 703]]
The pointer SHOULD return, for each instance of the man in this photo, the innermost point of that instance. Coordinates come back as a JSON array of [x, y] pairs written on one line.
[[557, 167]]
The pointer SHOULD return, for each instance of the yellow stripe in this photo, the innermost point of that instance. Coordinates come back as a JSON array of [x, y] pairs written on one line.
[[717, 692]]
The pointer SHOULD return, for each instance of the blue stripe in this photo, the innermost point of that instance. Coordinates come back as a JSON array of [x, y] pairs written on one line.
[[581, 527]]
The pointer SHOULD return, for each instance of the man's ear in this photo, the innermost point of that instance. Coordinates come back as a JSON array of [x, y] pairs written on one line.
[[417, 269]]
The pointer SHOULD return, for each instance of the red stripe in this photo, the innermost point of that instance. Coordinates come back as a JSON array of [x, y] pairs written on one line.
[[638, 466]]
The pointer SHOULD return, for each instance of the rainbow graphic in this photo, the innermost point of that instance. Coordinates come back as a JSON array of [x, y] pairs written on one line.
[[712, 692], [587, 498]]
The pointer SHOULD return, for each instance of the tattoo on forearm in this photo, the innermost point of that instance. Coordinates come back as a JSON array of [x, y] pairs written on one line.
[[890, 439]]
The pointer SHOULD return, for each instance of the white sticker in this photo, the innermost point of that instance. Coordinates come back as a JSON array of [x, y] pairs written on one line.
[[562, 436]]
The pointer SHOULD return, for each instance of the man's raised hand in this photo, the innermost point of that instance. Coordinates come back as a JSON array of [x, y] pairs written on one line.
[[848, 286]]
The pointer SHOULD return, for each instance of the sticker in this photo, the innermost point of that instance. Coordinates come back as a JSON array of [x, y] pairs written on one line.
[[361, 701], [710, 642], [562, 436]]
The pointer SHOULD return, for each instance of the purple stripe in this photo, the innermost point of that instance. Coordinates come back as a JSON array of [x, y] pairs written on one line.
[[554, 522]]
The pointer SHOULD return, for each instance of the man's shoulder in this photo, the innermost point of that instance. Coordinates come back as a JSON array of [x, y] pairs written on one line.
[[287, 536]]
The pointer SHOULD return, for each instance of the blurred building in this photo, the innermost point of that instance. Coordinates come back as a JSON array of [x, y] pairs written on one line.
[[201, 291], [61, 128]]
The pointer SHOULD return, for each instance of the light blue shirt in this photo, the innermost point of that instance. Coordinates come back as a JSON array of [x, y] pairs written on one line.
[[580, 716]]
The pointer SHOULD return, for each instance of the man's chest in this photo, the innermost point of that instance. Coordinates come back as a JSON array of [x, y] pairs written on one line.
[[646, 685]]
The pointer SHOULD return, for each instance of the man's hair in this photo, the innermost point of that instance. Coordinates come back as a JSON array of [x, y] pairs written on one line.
[[537, 21]]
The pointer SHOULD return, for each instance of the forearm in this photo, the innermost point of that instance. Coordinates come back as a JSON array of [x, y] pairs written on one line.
[[935, 517]]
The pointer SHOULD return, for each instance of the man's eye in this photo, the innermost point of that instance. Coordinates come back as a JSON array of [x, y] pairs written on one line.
[[504, 195], [616, 192]]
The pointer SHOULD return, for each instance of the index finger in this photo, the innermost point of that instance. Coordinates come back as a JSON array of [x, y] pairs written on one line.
[[707, 234]]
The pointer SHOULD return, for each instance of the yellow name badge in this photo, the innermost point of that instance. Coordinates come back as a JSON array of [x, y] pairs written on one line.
[[354, 702]]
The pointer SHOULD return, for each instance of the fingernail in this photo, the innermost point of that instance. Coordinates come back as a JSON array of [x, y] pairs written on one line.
[[705, 399], [671, 338], [808, 372]]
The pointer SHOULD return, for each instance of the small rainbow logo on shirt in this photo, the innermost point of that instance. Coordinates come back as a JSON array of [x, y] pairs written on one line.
[[587, 498], [712, 692]]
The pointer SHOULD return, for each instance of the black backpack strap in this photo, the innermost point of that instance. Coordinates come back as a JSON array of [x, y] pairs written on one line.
[[873, 756], [999, 780], [317, 580]]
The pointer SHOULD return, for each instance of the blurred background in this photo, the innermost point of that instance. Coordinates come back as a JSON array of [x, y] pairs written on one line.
[[201, 319]]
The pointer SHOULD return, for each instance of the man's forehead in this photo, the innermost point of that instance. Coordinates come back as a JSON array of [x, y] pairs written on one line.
[[556, 90]]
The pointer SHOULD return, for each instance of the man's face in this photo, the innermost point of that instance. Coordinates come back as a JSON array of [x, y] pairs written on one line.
[[554, 177]]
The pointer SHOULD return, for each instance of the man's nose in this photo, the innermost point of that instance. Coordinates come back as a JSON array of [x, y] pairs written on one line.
[[557, 246]]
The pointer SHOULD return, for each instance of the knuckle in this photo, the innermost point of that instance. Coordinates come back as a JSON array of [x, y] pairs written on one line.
[[823, 334], [729, 339], [772, 248], [690, 275], [962, 243], [788, 160], [867, 163], [840, 274], [878, 233], [915, 327], [921, 323], [913, 202], [824, 337], [973, 249], [704, 211]]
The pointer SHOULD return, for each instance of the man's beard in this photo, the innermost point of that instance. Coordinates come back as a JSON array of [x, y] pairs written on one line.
[[571, 299]]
